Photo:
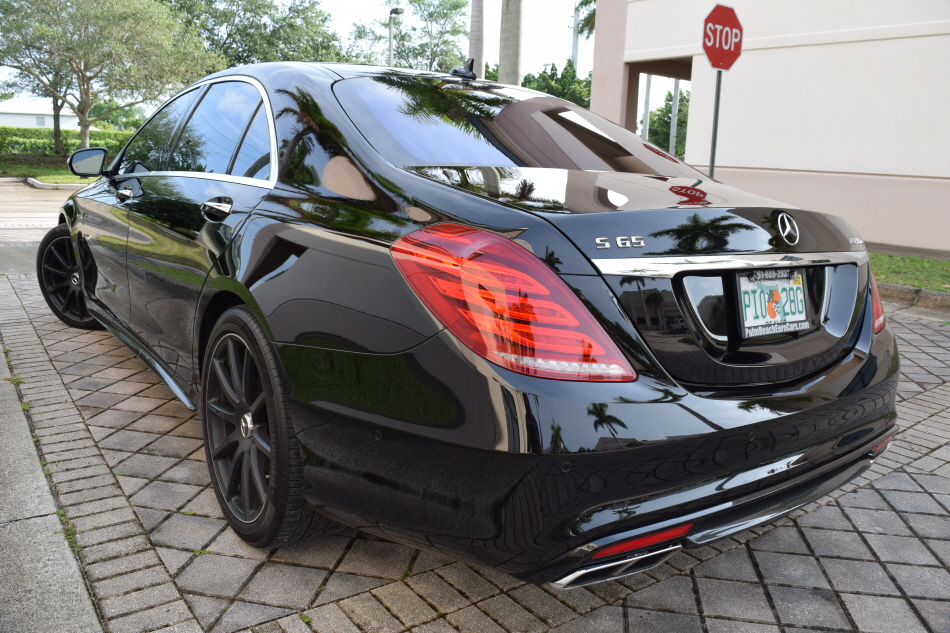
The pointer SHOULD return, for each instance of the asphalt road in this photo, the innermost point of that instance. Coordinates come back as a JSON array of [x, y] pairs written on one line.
[[26, 214]]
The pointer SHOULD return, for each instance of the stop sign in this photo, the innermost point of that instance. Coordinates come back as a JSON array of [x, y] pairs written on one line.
[[722, 37]]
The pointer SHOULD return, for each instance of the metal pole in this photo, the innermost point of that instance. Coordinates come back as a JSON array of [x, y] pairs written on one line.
[[674, 116], [712, 153], [390, 40], [645, 127], [577, 21]]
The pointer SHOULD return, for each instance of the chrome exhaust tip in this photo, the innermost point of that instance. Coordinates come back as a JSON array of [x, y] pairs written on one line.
[[616, 568]]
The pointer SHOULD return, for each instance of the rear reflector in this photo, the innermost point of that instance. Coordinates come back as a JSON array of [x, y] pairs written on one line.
[[877, 307], [880, 448], [506, 305], [644, 541]]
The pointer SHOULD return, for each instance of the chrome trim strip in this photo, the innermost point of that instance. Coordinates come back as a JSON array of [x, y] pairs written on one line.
[[669, 266], [566, 580]]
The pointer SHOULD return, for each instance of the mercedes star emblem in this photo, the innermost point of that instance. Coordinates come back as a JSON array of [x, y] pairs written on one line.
[[788, 229]]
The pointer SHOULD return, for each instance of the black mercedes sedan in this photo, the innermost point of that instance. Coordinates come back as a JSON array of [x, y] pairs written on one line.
[[475, 318]]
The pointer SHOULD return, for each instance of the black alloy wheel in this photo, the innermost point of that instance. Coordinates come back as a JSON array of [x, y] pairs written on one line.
[[253, 456], [60, 281], [239, 428]]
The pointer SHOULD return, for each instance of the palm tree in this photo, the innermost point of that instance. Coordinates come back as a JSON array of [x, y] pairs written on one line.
[[702, 236], [476, 36], [586, 26], [509, 58], [598, 411]]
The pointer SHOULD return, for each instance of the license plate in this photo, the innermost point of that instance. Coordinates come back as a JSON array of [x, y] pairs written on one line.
[[772, 301]]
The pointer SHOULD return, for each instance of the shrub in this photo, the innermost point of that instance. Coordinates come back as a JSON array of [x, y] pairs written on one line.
[[25, 140]]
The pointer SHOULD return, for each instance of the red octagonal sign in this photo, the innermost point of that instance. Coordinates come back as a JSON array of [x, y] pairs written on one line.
[[722, 37]]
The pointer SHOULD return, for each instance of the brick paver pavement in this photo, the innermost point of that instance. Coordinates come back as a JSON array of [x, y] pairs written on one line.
[[126, 461]]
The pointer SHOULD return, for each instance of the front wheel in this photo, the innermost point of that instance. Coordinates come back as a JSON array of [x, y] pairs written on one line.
[[252, 452], [58, 274]]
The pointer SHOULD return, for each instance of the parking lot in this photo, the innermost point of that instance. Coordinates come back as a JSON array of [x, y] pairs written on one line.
[[126, 463]]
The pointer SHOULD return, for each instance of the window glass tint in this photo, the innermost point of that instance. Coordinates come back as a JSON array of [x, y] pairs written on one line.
[[424, 122], [212, 133], [253, 158], [147, 150]]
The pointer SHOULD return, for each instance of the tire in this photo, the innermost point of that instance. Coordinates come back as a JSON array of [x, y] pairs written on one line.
[[58, 274], [252, 453]]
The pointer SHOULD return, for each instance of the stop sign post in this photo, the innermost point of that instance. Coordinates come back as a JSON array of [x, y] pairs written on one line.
[[722, 41]]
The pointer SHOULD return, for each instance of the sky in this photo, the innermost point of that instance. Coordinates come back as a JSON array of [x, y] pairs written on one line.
[[546, 31]]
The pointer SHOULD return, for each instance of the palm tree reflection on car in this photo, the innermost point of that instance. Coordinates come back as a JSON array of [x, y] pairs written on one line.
[[698, 236]]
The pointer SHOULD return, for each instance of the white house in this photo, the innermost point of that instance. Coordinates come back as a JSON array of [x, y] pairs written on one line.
[[833, 106], [35, 112]]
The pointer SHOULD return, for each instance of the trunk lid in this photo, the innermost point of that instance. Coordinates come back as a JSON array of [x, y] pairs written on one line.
[[695, 263]]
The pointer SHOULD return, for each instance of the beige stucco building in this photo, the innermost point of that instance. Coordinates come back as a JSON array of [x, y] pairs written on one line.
[[835, 105]]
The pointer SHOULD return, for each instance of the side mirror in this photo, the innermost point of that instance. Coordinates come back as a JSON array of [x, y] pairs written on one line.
[[87, 162]]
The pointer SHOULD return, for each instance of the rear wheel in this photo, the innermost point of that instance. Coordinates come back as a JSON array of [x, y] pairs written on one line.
[[252, 452], [58, 273]]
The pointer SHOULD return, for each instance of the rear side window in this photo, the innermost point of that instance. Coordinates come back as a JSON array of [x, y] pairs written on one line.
[[211, 136], [253, 157], [149, 147]]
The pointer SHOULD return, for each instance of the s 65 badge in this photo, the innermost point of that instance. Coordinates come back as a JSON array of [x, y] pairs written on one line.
[[622, 242]]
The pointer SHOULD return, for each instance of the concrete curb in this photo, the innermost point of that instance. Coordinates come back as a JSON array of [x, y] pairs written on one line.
[[36, 184], [12, 179], [909, 296]]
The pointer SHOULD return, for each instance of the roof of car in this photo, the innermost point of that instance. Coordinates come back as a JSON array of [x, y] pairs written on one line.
[[341, 70]]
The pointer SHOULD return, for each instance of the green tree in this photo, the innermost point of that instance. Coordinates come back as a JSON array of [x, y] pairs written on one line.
[[111, 114], [132, 51], [588, 15], [427, 37], [4, 95], [57, 75], [252, 31], [491, 74], [565, 85], [660, 123]]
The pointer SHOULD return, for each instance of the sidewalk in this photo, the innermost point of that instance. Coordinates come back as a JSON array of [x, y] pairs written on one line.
[[126, 462], [41, 584]]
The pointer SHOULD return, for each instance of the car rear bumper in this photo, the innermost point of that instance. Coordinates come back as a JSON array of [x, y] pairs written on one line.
[[541, 508]]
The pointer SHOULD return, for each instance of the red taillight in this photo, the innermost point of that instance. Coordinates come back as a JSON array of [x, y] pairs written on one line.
[[878, 308], [644, 541], [506, 305]]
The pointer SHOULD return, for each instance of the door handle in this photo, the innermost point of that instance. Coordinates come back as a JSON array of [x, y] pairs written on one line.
[[216, 209]]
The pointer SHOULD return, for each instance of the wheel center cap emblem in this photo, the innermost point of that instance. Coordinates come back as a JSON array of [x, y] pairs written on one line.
[[74, 279], [788, 229], [247, 425]]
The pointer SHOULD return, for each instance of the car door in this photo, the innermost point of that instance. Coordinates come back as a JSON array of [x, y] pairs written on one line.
[[218, 171], [102, 224]]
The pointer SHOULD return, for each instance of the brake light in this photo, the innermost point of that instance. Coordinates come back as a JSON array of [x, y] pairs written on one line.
[[644, 541], [877, 307], [506, 305]]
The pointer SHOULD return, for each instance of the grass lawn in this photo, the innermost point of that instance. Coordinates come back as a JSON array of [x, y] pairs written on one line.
[[44, 168], [931, 274]]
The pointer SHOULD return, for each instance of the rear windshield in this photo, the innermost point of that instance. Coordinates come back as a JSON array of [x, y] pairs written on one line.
[[428, 122]]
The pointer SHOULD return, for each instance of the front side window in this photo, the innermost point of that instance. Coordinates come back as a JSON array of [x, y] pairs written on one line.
[[428, 122], [149, 147], [209, 139]]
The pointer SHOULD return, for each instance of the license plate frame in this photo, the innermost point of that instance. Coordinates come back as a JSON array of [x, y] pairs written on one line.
[[757, 302]]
